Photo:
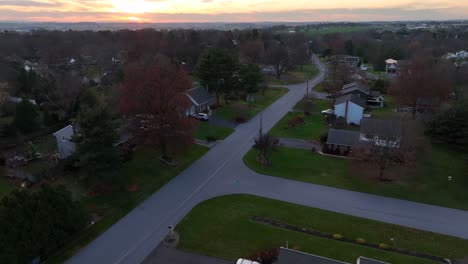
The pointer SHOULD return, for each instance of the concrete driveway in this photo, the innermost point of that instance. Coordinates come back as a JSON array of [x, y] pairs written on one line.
[[221, 171]]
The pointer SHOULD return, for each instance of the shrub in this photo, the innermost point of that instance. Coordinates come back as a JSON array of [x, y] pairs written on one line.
[[324, 137], [325, 149], [340, 123], [384, 246], [265, 256], [337, 236], [211, 138], [360, 240], [296, 121], [26, 117]]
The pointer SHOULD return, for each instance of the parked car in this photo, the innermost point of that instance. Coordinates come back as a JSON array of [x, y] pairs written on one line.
[[364, 67], [202, 116], [328, 112]]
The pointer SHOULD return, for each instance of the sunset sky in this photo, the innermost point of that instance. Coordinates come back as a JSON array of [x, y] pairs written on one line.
[[230, 10]]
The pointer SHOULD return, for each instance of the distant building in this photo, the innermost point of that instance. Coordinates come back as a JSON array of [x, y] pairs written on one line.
[[391, 66], [352, 61]]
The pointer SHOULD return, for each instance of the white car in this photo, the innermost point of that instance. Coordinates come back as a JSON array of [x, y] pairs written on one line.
[[328, 112], [202, 116], [364, 67]]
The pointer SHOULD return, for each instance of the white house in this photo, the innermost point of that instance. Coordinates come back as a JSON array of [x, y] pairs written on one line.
[[65, 146], [351, 107]]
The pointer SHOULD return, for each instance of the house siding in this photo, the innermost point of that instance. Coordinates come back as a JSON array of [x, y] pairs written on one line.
[[353, 114], [65, 147]]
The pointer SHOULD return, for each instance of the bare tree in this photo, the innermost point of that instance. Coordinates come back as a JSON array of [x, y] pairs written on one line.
[[278, 56], [266, 145], [154, 99], [252, 50], [3, 92], [421, 78], [385, 148]]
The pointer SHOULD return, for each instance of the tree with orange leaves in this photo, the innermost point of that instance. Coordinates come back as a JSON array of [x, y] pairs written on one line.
[[153, 99]]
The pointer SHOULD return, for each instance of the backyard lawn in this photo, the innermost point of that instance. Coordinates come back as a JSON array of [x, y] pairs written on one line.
[[206, 130], [311, 130], [146, 173], [427, 182], [314, 123], [222, 227], [248, 110]]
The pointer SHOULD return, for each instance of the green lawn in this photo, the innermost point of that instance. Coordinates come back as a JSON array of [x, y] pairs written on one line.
[[314, 124], [147, 173], [427, 183], [221, 227], [249, 110], [387, 110], [312, 128], [5, 186], [206, 129]]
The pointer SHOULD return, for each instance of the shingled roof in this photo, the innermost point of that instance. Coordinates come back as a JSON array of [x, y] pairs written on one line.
[[382, 127], [343, 137], [352, 98], [199, 96], [290, 256], [350, 87]]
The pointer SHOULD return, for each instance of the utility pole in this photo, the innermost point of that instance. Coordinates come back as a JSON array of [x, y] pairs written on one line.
[[307, 88], [261, 138]]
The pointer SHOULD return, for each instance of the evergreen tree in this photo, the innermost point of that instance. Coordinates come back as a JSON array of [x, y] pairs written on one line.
[[37, 224], [26, 117], [96, 149]]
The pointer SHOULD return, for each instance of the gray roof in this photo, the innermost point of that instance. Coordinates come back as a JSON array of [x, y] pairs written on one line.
[[343, 137], [364, 260], [290, 256], [352, 98], [382, 127], [199, 96], [350, 87]]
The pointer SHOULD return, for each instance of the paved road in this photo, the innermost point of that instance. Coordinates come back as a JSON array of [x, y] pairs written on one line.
[[221, 171], [299, 143]]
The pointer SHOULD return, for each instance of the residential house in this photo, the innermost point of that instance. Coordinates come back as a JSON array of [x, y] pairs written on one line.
[[352, 61], [66, 147], [356, 88], [381, 132], [351, 107], [391, 66], [291, 256], [201, 100], [373, 131]]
